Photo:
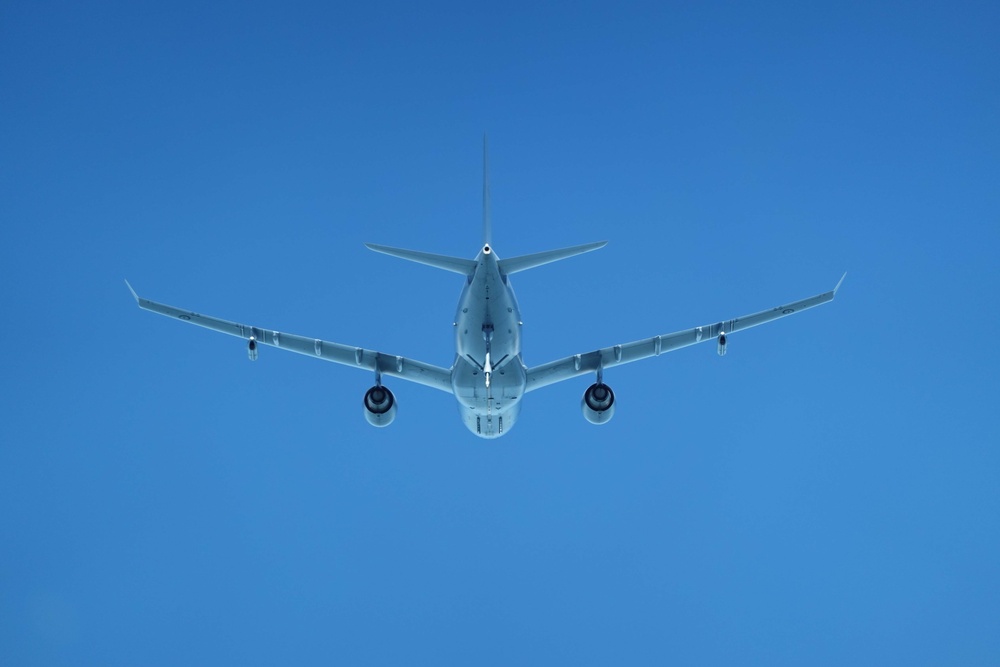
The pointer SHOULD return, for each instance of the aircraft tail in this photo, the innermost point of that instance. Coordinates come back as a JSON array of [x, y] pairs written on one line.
[[455, 264], [525, 262], [467, 267]]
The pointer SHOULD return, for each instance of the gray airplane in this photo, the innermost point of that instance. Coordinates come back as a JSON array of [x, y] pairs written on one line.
[[488, 377]]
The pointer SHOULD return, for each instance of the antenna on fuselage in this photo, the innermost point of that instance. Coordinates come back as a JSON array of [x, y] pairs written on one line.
[[487, 226]]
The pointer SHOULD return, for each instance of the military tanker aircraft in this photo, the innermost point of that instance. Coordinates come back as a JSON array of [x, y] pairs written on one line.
[[488, 377]]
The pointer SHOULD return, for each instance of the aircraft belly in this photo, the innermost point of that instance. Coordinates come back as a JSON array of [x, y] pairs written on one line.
[[488, 309], [489, 412], [491, 425]]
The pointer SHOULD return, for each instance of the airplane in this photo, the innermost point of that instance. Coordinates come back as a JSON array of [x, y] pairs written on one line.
[[488, 377]]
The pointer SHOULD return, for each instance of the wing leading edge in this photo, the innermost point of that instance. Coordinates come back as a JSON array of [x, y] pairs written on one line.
[[387, 364], [581, 364]]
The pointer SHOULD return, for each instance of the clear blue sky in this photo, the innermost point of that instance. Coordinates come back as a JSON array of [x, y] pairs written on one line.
[[827, 494]]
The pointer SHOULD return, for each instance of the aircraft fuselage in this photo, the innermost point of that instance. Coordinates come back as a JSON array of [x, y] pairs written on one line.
[[488, 377]]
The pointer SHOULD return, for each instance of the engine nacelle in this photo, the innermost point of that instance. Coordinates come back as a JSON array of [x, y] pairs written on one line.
[[722, 344], [252, 349], [598, 403], [380, 406]]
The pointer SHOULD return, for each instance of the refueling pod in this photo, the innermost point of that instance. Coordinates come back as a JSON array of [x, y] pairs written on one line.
[[598, 403], [380, 406]]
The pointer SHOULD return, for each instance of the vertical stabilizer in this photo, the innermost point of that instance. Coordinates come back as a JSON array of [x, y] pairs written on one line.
[[487, 226]]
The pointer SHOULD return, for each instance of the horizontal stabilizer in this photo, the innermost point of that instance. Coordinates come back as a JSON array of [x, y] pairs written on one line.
[[456, 264], [524, 262]]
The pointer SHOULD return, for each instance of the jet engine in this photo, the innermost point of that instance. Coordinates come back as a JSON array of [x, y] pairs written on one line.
[[598, 403], [722, 344], [380, 406]]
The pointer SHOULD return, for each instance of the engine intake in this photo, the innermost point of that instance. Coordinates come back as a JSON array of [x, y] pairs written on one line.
[[380, 406], [598, 403]]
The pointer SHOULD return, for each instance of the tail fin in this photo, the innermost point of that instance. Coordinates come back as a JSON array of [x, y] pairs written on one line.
[[524, 262], [487, 223], [456, 264], [468, 266]]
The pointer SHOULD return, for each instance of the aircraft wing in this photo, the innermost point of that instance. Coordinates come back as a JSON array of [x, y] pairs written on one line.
[[387, 364], [580, 364]]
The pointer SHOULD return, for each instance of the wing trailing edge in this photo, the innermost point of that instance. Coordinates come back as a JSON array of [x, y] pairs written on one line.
[[347, 355], [597, 360]]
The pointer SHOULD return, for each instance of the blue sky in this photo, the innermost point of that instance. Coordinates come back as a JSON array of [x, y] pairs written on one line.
[[826, 494]]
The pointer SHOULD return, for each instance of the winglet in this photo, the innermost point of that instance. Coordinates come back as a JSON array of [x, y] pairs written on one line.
[[133, 292], [838, 284]]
